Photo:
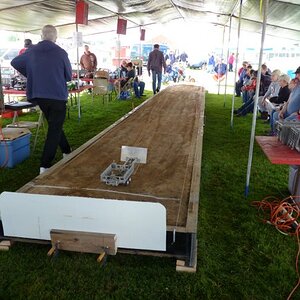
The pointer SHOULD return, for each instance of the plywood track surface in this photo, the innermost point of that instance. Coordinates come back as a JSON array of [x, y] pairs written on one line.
[[169, 125]]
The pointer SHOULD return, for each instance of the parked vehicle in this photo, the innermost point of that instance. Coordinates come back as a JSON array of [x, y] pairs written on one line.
[[6, 55], [199, 65], [7, 71]]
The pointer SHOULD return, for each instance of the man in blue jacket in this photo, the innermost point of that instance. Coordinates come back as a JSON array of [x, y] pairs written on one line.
[[47, 68]]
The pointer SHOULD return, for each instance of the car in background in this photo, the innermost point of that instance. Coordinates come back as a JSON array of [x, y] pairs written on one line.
[[201, 65], [7, 71], [6, 55]]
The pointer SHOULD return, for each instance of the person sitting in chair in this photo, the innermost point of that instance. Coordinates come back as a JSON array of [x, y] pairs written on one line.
[[138, 85], [220, 71]]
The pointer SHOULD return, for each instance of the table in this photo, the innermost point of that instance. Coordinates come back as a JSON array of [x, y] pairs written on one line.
[[17, 106], [76, 93], [279, 153], [20, 105], [14, 93]]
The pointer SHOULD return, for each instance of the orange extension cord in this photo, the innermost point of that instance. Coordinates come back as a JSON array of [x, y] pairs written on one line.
[[284, 215]]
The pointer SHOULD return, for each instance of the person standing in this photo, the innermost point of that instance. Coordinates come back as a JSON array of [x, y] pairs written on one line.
[[183, 57], [211, 63], [88, 62], [230, 62], [241, 73], [48, 68], [27, 44], [156, 62]]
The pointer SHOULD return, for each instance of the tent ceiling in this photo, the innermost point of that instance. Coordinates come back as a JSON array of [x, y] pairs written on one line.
[[31, 15]]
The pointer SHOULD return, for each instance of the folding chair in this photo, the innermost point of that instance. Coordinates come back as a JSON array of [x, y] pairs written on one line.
[[128, 88], [29, 124], [102, 87]]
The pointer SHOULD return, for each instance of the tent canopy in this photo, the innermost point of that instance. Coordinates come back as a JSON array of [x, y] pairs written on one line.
[[31, 15]]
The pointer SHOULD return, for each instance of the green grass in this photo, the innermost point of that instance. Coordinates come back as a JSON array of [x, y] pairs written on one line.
[[239, 257]]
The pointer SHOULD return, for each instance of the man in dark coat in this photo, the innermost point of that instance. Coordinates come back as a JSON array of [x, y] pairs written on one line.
[[156, 62], [47, 68]]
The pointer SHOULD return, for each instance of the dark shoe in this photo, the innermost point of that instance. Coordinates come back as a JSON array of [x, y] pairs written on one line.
[[264, 115], [157, 90]]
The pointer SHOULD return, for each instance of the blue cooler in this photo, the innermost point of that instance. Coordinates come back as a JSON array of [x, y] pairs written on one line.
[[15, 147]]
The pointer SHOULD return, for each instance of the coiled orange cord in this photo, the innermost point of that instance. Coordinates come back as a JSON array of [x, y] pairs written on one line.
[[283, 215]]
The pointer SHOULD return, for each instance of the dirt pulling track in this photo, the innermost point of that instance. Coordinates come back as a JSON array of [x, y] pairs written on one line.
[[170, 125]]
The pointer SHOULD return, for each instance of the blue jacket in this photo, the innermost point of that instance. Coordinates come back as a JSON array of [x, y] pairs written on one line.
[[294, 100], [47, 68], [220, 69]]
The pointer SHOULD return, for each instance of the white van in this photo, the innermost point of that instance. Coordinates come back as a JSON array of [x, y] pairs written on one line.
[[7, 71]]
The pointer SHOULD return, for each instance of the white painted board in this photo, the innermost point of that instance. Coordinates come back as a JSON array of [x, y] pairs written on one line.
[[134, 152], [138, 225]]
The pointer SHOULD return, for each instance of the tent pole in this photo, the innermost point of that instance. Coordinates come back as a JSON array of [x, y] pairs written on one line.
[[119, 63], [77, 53], [223, 41], [265, 9], [236, 61], [1, 96], [140, 49], [227, 57]]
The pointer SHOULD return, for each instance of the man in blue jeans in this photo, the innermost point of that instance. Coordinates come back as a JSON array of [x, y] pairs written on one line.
[[47, 68], [138, 85], [156, 62]]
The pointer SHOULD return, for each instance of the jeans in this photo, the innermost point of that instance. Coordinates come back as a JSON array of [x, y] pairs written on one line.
[[238, 86], [138, 87], [275, 117], [246, 107], [55, 114], [156, 75]]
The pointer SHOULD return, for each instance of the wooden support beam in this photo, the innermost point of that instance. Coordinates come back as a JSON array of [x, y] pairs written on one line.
[[5, 245], [88, 242], [51, 251], [182, 267]]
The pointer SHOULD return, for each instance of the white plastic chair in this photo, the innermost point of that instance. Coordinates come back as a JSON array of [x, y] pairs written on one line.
[[101, 86]]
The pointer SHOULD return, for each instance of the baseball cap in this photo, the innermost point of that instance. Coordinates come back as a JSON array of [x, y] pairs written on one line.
[[297, 71]]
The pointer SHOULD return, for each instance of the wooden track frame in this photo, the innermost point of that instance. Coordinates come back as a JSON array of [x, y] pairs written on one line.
[[187, 258]]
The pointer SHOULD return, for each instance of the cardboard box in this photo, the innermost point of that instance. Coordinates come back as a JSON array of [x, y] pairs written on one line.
[[15, 148]]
